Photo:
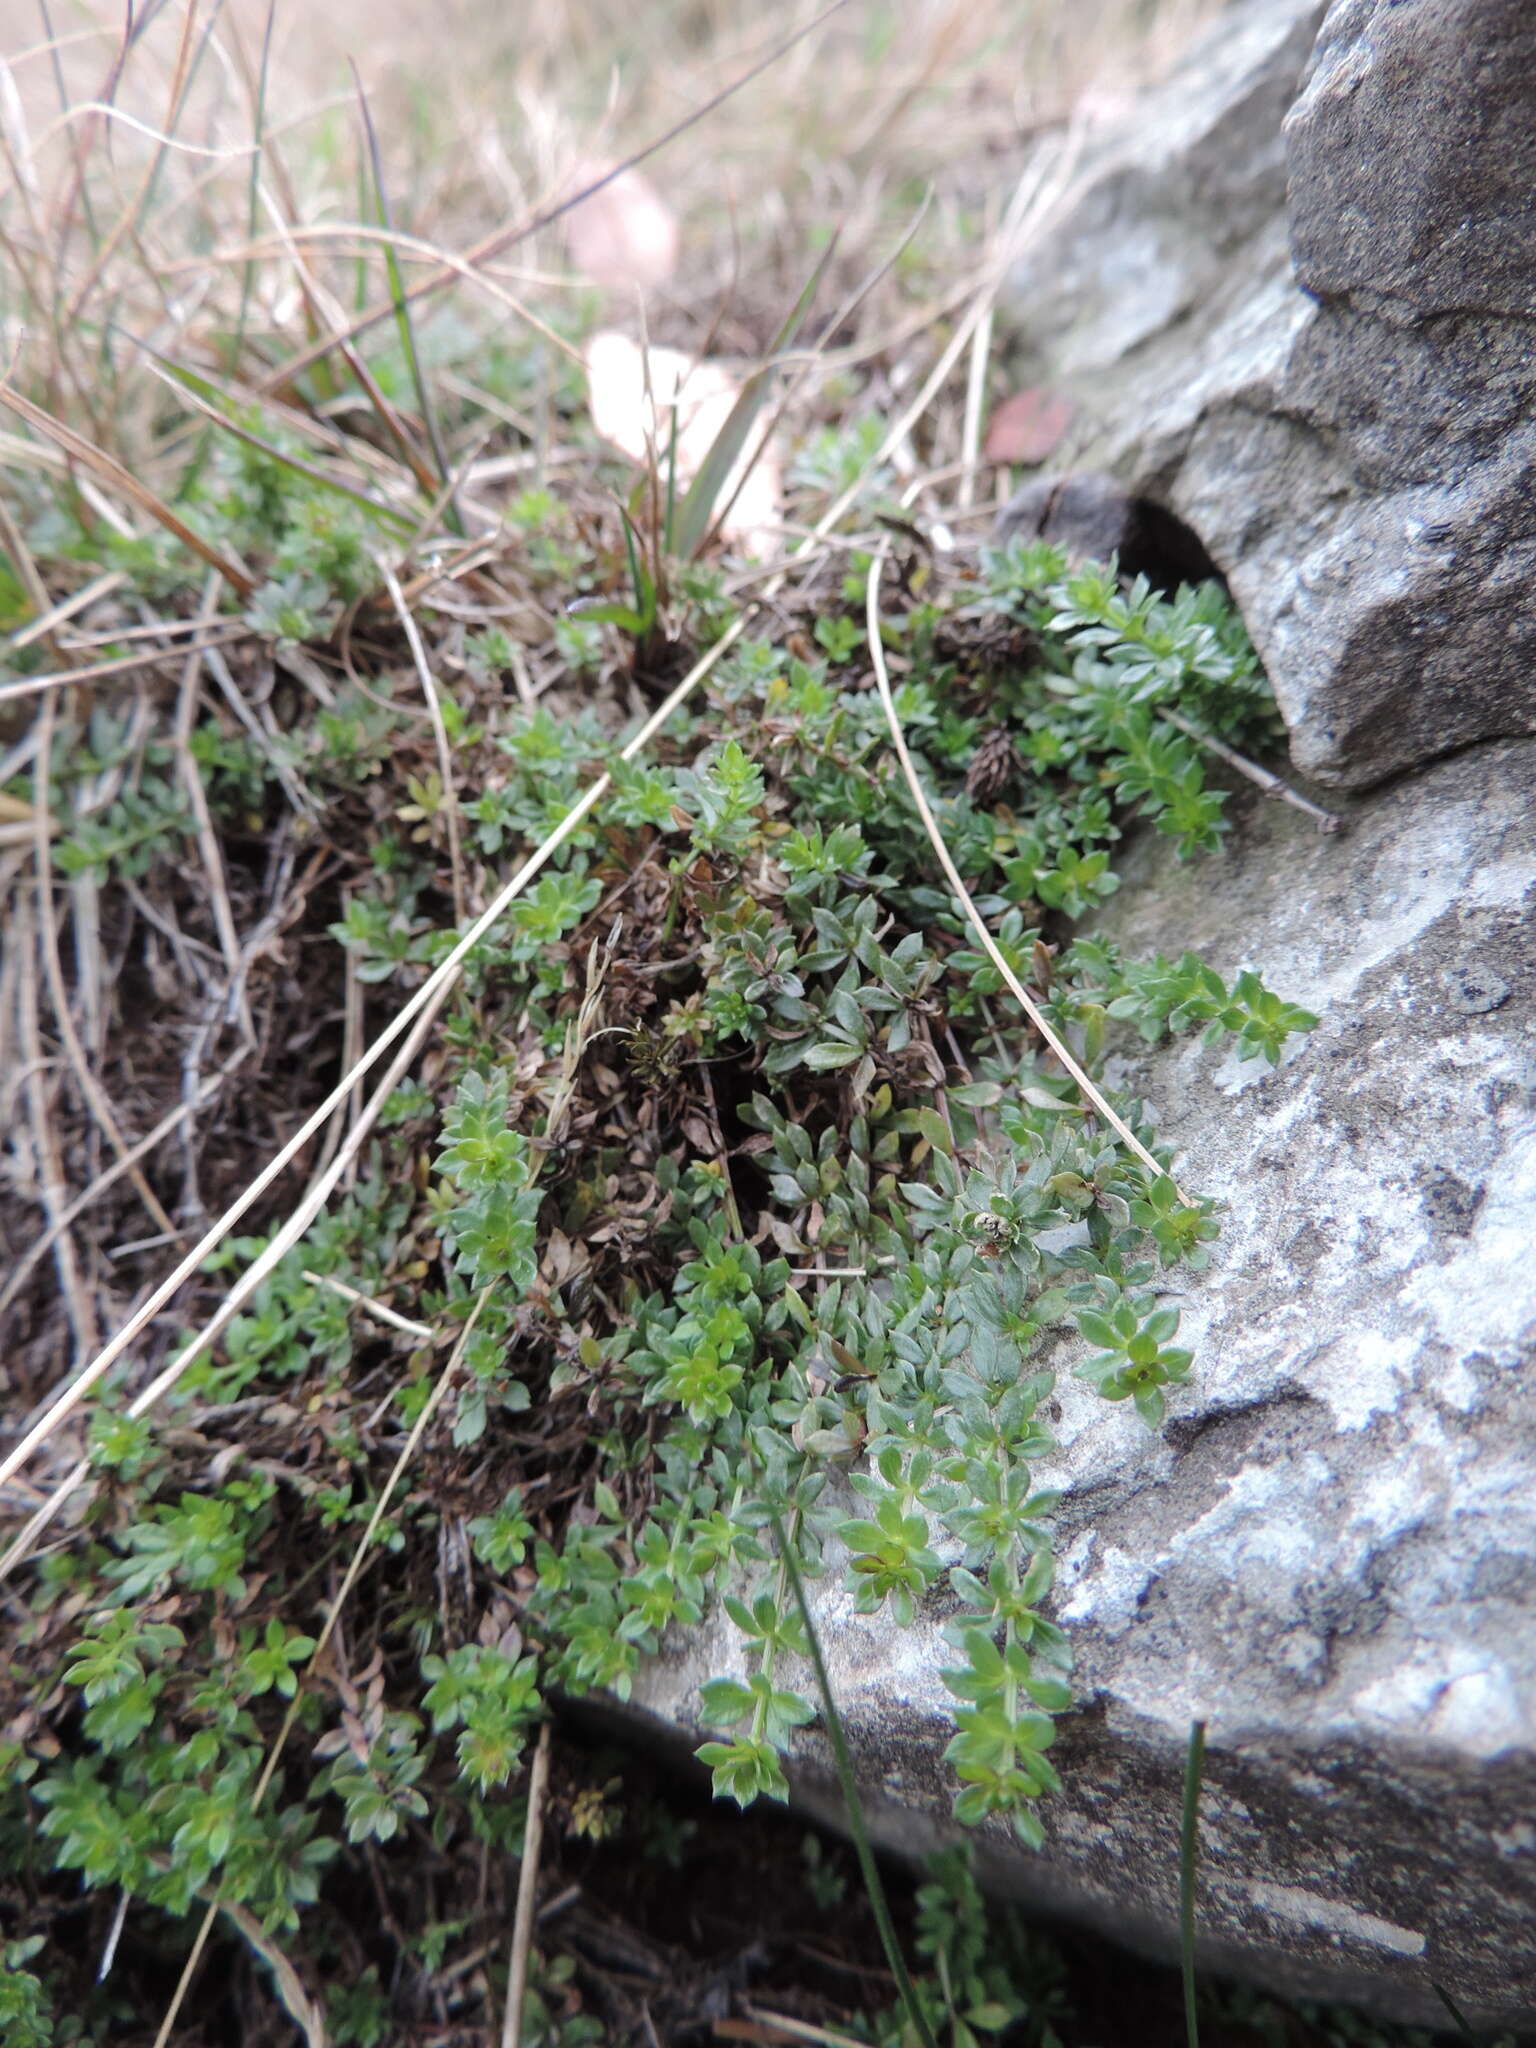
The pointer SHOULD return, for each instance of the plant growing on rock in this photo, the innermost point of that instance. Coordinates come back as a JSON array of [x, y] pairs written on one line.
[[854, 1270]]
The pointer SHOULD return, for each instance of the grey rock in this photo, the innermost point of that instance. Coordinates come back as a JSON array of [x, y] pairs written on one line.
[[1337, 401], [1329, 1551]]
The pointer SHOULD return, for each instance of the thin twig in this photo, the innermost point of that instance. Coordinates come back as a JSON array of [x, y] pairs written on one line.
[[527, 1895], [1272, 785]]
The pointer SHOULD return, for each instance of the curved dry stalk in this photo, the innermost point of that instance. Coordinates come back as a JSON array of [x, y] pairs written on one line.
[[977, 922], [420, 1008], [164, 140]]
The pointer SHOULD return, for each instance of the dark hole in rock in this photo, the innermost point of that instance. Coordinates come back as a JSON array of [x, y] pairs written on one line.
[[1092, 516], [1166, 551]]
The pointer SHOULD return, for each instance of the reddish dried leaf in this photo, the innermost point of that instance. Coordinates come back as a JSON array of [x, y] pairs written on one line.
[[1028, 426]]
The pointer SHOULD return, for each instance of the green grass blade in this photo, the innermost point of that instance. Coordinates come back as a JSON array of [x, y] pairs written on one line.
[[253, 195], [697, 509], [1189, 1845], [669, 528], [208, 399], [878, 1903], [400, 299], [641, 580]]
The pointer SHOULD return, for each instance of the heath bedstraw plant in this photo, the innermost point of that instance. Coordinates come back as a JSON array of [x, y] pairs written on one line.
[[798, 1249]]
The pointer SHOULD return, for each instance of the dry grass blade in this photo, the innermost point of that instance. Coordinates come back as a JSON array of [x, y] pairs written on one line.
[[192, 782], [58, 995], [790, 2029], [123, 664], [44, 626], [439, 734], [183, 382], [527, 1896], [377, 1309], [40, 1248], [1090, 1093], [296, 2001], [975, 396], [108, 470], [328, 1629], [419, 1011]]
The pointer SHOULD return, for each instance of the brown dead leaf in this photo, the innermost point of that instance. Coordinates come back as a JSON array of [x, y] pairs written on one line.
[[1028, 426]]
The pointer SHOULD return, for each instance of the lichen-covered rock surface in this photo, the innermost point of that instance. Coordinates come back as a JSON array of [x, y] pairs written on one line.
[[1329, 1551], [1336, 390]]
